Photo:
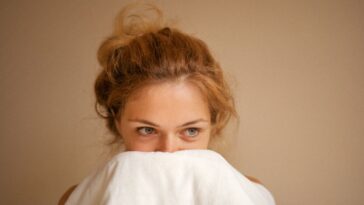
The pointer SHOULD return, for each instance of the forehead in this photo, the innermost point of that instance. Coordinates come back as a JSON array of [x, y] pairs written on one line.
[[167, 101]]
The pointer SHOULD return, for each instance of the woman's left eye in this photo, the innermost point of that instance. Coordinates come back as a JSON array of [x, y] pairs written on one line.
[[191, 132]]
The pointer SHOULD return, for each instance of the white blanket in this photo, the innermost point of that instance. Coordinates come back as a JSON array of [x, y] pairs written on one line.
[[200, 177]]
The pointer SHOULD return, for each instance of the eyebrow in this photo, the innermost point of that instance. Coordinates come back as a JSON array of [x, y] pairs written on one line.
[[155, 125]]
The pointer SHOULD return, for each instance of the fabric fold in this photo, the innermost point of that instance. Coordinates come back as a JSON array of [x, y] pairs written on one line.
[[200, 177]]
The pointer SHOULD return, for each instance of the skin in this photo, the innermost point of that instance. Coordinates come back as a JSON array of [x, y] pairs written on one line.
[[165, 117]]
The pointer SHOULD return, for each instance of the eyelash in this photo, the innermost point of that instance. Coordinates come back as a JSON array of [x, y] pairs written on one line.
[[152, 131], [139, 131], [192, 128]]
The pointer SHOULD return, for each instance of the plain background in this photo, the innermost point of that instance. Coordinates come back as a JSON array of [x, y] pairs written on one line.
[[296, 68]]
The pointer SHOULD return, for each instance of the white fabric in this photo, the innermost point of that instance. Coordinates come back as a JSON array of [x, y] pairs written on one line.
[[200, 177]]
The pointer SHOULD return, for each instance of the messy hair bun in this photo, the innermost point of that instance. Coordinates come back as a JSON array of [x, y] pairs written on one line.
[[142, 49], [132, 21]]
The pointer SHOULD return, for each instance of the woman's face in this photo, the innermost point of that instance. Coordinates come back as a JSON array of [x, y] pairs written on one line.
[[165, 117]]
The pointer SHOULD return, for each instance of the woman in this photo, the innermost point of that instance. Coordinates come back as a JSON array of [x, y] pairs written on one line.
[[160, 90]]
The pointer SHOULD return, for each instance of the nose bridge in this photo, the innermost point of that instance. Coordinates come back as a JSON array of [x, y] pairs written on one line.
[[168, 143]]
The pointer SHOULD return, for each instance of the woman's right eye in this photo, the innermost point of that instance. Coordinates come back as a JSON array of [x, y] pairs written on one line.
[[145, 130]]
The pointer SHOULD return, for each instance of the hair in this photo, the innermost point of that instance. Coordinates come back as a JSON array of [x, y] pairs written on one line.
[[142, 49]]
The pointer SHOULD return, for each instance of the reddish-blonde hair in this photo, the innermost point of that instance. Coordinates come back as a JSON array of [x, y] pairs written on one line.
[[142, 50]]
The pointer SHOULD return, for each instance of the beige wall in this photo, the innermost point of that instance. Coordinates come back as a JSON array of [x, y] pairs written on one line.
[[297, 68]]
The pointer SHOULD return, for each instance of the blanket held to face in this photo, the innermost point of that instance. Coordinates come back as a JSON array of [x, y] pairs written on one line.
[[188, 177]]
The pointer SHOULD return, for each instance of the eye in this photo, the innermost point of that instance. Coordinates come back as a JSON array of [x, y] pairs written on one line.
[[191, 132], [145, 130]]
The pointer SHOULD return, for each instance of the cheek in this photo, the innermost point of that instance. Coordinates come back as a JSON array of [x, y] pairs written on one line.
[[142, 147], [132, 143], [136, 147], [204, 142], [201, 143]]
